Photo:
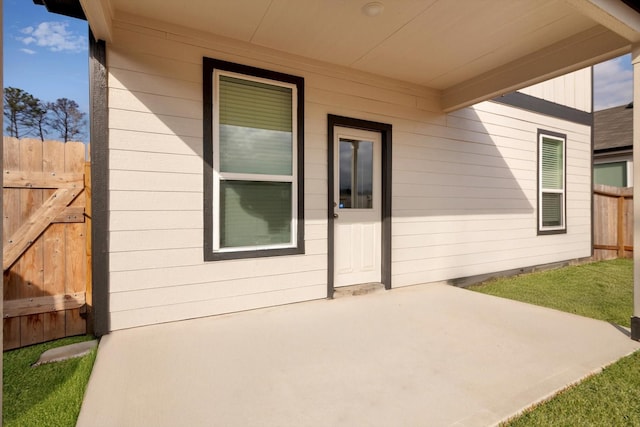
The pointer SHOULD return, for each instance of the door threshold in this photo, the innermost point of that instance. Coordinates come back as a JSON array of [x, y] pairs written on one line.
[[359, 289]]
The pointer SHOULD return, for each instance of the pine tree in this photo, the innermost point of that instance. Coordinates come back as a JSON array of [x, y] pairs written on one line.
[[20, 110], [66, 118], [41, 119]]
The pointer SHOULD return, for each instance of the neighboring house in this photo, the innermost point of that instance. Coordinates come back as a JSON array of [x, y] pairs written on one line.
[[250, 154], [613, 146]]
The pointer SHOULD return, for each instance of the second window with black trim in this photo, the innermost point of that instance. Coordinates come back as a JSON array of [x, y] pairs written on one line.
[[551, 183], [254, 139]]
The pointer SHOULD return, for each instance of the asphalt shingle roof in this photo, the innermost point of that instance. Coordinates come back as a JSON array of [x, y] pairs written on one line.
[[613, 127]]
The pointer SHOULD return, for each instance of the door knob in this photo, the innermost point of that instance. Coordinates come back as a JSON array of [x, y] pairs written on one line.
[[335, 215]]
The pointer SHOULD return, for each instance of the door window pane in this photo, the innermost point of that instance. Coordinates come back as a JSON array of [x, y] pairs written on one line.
[[255, 213], [356, 174]]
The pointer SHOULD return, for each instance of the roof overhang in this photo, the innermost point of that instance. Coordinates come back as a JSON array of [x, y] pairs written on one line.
[[99, 14], [467, 51], [70, 8]]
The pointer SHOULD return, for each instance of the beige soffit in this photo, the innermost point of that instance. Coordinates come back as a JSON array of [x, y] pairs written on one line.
[[468, 50], [99, 14]]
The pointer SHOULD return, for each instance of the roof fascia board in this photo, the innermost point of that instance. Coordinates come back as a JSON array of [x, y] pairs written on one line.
[[69, 8], [590, 47], [613, 14], [542, 106], [99, 14], [626, 149]]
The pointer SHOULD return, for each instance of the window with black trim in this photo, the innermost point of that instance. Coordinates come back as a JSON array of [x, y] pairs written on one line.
[[253, 150], [551, 183]]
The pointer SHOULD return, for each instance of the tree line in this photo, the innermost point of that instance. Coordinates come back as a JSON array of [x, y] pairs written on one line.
[[26, 115]]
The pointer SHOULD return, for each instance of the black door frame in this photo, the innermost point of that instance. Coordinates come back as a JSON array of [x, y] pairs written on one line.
[[385, 131]]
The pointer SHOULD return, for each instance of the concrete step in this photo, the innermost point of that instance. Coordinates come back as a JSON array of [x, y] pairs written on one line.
[[355, 290]]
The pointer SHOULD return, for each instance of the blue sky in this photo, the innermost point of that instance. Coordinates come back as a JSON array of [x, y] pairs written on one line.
[[613, 83], [46, 55]]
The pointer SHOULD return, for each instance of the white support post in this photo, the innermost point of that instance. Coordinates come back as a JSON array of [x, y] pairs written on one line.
[[635, 320]]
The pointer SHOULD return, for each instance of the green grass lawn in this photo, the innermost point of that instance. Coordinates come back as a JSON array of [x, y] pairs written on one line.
[[602, 290], [46, 395], [611, 398]]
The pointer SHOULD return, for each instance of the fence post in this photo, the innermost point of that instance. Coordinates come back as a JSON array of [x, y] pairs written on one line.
[[620, 238], [88, 219]]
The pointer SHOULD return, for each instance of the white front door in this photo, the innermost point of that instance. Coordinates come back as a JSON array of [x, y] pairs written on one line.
[[357, 208]]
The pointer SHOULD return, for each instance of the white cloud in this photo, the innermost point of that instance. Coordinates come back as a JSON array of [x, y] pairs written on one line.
[[53, 36], [613, 83], [28, 51]]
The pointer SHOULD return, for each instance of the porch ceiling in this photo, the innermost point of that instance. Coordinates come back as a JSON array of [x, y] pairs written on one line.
[[469, 50]]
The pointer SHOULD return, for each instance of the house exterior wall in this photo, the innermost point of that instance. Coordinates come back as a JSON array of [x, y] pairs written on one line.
[[464, 190], [562, 90], [622, 157]]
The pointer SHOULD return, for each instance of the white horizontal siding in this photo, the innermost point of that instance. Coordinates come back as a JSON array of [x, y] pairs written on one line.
[[160, 296], [258, 269], [155, 220], [121, 180], [447, 268], [151, 201], [146, 240], [133, 140], [438, 234], [490, 248], [452, 179], [151, 123], [491, 113], [138, 161], [464, 184], [156, 104], [145, 83], [141, 316]]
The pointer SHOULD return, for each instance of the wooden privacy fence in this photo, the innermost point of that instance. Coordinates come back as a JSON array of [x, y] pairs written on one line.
[[45, 243], [612, 222]]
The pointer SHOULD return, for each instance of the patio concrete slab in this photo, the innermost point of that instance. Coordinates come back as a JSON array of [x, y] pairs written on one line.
[[430, 355]]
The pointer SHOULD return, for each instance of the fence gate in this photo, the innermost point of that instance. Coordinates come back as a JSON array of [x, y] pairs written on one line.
[[45, 242]]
